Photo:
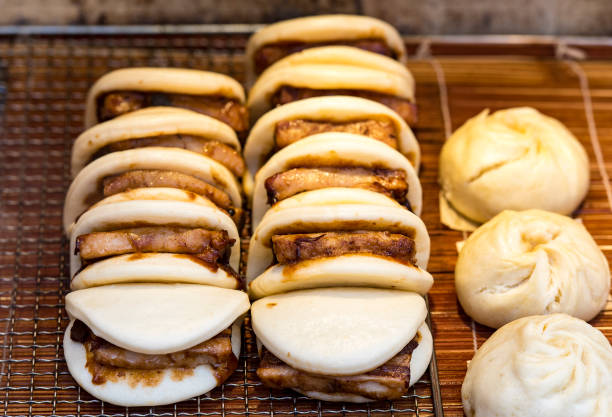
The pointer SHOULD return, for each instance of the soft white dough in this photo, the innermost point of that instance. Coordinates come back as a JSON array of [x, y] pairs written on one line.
[[513, 159], [338, 331], [541, 366], [350, 270], [140, 314], [531, 262], [169, 80], [421, 356]]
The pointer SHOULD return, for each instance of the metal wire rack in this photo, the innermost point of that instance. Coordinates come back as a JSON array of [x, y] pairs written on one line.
[[43, 82]]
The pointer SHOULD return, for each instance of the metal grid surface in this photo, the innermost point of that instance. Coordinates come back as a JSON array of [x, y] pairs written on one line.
[[43, 83]]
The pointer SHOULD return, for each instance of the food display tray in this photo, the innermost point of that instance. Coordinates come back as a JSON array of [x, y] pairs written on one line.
[[44, 76]]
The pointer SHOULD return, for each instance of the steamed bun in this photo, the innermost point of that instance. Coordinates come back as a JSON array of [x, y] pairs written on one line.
[[544, 366], [512, 159], [531, 262]]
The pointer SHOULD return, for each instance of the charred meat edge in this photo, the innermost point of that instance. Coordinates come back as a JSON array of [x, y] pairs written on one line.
[[144, 178], [291, 131], [210, 249], [229, 111], [292, 248], [392, 379], [213, 245], [390, 182], [220, 152]]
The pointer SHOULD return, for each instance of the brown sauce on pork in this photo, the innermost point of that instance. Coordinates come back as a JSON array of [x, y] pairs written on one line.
[[291, 131], [212, 246], [108, 362], [387, 382], [390, 182], [290, 249], [220, 152], [142, 178], [229, 111]]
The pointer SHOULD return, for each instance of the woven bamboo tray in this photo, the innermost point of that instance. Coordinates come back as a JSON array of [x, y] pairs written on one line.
[[44, 76]]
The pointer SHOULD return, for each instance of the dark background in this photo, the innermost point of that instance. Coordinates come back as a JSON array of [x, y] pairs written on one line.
[[546, 17]]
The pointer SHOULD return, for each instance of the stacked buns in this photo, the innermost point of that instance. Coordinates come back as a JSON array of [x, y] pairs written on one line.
[[335, 70], [338, 254], [153, 217], [284, 38]]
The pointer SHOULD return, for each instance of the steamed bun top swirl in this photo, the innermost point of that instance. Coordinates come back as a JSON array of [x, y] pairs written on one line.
[[531, 262], [544, 366], [513, 159]]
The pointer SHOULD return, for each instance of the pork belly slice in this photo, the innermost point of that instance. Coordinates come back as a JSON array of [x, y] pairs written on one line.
[[390, 182], [104, 358], [272, 52], [290, 131], [157, 178], [220, 152], [405, 108], [387, 382], [289, 249], [211, 246], [229, 111]]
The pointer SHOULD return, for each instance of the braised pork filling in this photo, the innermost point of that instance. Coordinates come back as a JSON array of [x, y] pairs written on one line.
[[405, 108], [290, 131], [105, 359], [209, 247], [220, 152], [387, 382], [293, 248], [270, 53], [390, 182], [144, 178], [229, 111]]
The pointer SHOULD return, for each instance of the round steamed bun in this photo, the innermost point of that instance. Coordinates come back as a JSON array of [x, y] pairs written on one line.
[[544, 366], [513, 159], [531, 262]]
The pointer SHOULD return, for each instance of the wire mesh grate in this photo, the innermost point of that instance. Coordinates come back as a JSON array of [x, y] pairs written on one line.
[[43, 84]]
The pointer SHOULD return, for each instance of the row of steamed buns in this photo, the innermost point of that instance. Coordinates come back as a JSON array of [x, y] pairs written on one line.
[[518, 264], [359, 280], [156, 207], [513, 177]]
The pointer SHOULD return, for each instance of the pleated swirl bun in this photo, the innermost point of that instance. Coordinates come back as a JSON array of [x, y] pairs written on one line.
[[513, 159], [531, 262], [544, 366]]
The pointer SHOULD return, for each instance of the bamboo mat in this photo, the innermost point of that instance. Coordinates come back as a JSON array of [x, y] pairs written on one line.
[[43, 82], [474, 83]]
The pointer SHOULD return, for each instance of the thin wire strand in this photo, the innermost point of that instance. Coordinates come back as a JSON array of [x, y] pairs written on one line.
[[590, 118]]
